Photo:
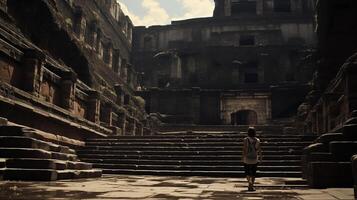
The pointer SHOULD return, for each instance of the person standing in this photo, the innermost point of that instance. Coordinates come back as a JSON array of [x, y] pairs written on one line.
[[252, 155]]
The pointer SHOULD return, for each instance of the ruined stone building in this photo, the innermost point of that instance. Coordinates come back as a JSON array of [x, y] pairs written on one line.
[[248, 64], [65, 75], [82, 87], [72, 58]]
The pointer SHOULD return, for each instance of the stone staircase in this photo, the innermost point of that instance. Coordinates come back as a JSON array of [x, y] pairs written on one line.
[[206, 153], [27, 154]]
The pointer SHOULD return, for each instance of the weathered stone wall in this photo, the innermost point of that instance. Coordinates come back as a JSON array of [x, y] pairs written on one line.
[[67, 63]]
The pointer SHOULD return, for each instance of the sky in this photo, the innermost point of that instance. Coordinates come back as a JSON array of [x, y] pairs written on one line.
[[161, 12]]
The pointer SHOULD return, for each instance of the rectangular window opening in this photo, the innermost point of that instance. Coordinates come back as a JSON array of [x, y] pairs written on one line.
[[240, 7], [282, 6]]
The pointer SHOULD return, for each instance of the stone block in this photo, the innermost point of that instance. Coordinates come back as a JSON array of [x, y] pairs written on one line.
[[354, 172], [29, 174], [316, 147], [79, 165], [31, 163], [24, 142], [329, 137], [3, 121], [24, 153], [343, 150], [314, 157], [329, 174], [350, 131], [352, 120]]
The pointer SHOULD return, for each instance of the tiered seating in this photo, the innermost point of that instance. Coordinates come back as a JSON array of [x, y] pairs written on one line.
[[28, 154]]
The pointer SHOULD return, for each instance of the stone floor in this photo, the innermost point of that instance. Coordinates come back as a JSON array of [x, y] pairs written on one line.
[[172, 188]]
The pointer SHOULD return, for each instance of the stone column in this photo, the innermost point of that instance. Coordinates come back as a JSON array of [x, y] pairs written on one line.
[[93, 34], [196, 105], [107, 111], [93, 108], [138, 128], [33, 62], [79, 23], [260, 7], [68, 90], [3, 5], [119, 90]]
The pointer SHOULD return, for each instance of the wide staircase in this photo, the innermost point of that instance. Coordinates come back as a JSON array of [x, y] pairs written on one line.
[[195, 153], [33, 155]]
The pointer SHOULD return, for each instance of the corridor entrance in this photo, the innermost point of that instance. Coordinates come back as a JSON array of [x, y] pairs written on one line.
[[244, 117]]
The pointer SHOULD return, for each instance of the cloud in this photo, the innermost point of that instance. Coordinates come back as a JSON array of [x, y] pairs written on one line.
[[196, 8], [154, 14]]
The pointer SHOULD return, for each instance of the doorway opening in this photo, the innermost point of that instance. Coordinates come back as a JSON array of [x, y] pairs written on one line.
[[244, 117]]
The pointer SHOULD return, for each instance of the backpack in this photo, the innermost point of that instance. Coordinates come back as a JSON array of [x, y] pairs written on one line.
[[252, 152]]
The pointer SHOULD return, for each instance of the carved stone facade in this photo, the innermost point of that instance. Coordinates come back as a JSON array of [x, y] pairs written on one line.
[[67, 63], [247, 47]]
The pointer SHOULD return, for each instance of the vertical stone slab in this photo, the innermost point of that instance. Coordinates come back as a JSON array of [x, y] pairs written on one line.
[[68, 90], [93, 113], [33, 62]]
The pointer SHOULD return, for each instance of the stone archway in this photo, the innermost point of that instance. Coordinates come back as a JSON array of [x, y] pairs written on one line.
[[244, 117]]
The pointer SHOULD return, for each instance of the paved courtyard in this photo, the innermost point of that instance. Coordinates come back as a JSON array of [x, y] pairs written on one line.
[[172, 188]]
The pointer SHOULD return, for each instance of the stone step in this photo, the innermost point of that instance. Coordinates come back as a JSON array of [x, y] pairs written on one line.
[[181, 152], [77, 174], [47, 164], [184, 157], [2, 163], [27, 142], [20, 174], [194, 167], [36, 164], [211, 136], [193, 140], [134, 143], [15, 174], [190, 162], [190, 148], [35, 153], [201, 173]]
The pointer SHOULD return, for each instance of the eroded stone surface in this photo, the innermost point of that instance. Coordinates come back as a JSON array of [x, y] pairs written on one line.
[[173, 188]]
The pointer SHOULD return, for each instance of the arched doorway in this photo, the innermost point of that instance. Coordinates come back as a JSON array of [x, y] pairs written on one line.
[[244, 117]]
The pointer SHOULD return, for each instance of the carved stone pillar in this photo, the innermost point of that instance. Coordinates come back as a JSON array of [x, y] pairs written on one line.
[[33, 62], [93, 34], [79, 23], [106, 113], [93, 113], [122, 122], [119, 90], [68, 90], [139, 131], [3, 5]]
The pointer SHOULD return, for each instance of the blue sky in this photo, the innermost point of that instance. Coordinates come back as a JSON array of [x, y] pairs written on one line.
[[160, 12]]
